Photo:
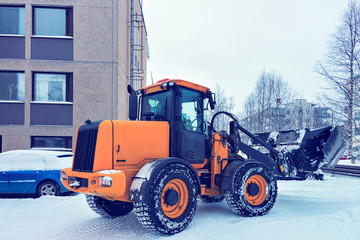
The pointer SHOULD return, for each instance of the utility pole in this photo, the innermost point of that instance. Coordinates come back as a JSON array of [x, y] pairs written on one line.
[[278, 102]]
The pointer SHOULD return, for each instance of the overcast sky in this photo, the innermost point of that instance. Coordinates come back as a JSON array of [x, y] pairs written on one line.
[[232, 41]]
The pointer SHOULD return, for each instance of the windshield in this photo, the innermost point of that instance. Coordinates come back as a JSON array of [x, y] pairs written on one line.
[[156, 107]]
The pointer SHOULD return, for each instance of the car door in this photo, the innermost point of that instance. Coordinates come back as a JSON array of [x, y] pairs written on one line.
[[25, 179], [4, 182]]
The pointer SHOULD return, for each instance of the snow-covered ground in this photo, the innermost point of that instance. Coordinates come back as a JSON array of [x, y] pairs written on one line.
[[328, 209], [348, 162]]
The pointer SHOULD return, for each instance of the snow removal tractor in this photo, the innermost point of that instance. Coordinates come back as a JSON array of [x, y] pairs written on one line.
[[168, 155]]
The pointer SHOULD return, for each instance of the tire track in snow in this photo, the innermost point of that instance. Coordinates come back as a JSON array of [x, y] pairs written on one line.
[[126, 227]]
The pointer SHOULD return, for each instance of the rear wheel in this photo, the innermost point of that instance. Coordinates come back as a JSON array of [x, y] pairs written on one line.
[[172, 200], [107, 208], [253, 191]]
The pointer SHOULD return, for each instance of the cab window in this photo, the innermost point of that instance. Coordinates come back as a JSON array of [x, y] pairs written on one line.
[[192, 105], [156, 107]]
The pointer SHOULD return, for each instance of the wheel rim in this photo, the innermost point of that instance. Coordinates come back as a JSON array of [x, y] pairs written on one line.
[[255, 190], [310, 177], [174, 198], [47, 189]]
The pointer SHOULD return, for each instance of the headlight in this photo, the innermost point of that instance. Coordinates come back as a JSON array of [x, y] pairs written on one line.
[[164, 85], [105, 181], [63, 176]]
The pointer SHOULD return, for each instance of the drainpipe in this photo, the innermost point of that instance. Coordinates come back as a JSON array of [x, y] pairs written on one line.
[[112, 59]]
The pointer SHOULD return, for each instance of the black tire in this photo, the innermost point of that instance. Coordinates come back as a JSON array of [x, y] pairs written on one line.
[[172, 200], [310, 176], [214, 199], [48, 188], [314, 176], [107, 208], [253, 191]]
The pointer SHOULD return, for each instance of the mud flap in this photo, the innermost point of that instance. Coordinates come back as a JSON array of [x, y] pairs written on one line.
[[334, 148]]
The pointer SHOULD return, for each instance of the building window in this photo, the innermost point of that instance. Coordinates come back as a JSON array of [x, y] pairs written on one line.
[[12, 86], [52, 87], [51, 142], [12, 20], [52, 21]]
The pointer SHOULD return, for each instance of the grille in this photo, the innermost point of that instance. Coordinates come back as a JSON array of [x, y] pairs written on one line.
[[85, 150]]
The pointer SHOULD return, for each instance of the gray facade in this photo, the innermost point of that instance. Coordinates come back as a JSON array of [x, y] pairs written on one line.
[[69, 61]]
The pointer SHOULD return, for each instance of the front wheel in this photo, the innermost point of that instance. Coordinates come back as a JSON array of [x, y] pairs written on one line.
[[253, 191], [172, 200], [48, 188], [107, 208]]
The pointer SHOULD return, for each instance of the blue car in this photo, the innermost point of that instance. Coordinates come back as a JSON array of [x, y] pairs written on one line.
[[33, 172]]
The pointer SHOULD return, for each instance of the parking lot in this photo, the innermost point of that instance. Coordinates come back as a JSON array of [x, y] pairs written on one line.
[[328, 209]]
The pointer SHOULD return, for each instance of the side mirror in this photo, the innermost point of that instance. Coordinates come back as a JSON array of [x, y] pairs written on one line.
[[133, 107], [211, 97], [132, 103]]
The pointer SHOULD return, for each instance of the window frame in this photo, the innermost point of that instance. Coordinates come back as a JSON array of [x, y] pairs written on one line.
[[68, 87], [15, 71], [69, 21], [67, 141], [15, 6], [163, 94], [198, 115]]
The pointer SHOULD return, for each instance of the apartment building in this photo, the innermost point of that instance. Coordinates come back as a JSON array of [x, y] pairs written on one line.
[[63, 62]]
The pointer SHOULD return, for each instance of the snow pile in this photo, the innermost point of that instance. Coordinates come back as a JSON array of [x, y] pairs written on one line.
[[18, 160], [110, 171], [348, 163], [321, 210]]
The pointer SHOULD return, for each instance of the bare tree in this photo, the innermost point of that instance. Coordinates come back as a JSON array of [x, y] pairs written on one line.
[[340, 70], [270, 92], [281, 93], [223, 103]]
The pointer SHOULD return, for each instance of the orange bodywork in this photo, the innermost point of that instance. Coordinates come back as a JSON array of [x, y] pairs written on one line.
[[122, 148], [219, 155], [157, 87]]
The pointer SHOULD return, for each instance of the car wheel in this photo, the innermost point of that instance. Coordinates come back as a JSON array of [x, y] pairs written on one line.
[[48, 188]]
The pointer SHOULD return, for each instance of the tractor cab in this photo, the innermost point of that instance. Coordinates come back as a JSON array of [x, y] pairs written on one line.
[[183, 105]]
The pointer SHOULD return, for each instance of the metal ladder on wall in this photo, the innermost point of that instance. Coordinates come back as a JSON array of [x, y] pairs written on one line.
[[137, 48]]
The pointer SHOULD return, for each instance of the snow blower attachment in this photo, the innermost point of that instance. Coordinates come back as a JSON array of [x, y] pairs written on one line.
[[301, 153]]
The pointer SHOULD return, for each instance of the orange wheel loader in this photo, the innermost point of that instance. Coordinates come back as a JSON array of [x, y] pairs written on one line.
[[167, 155]]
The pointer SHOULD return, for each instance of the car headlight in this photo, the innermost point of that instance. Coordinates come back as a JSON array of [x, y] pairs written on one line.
[[63, 176]]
